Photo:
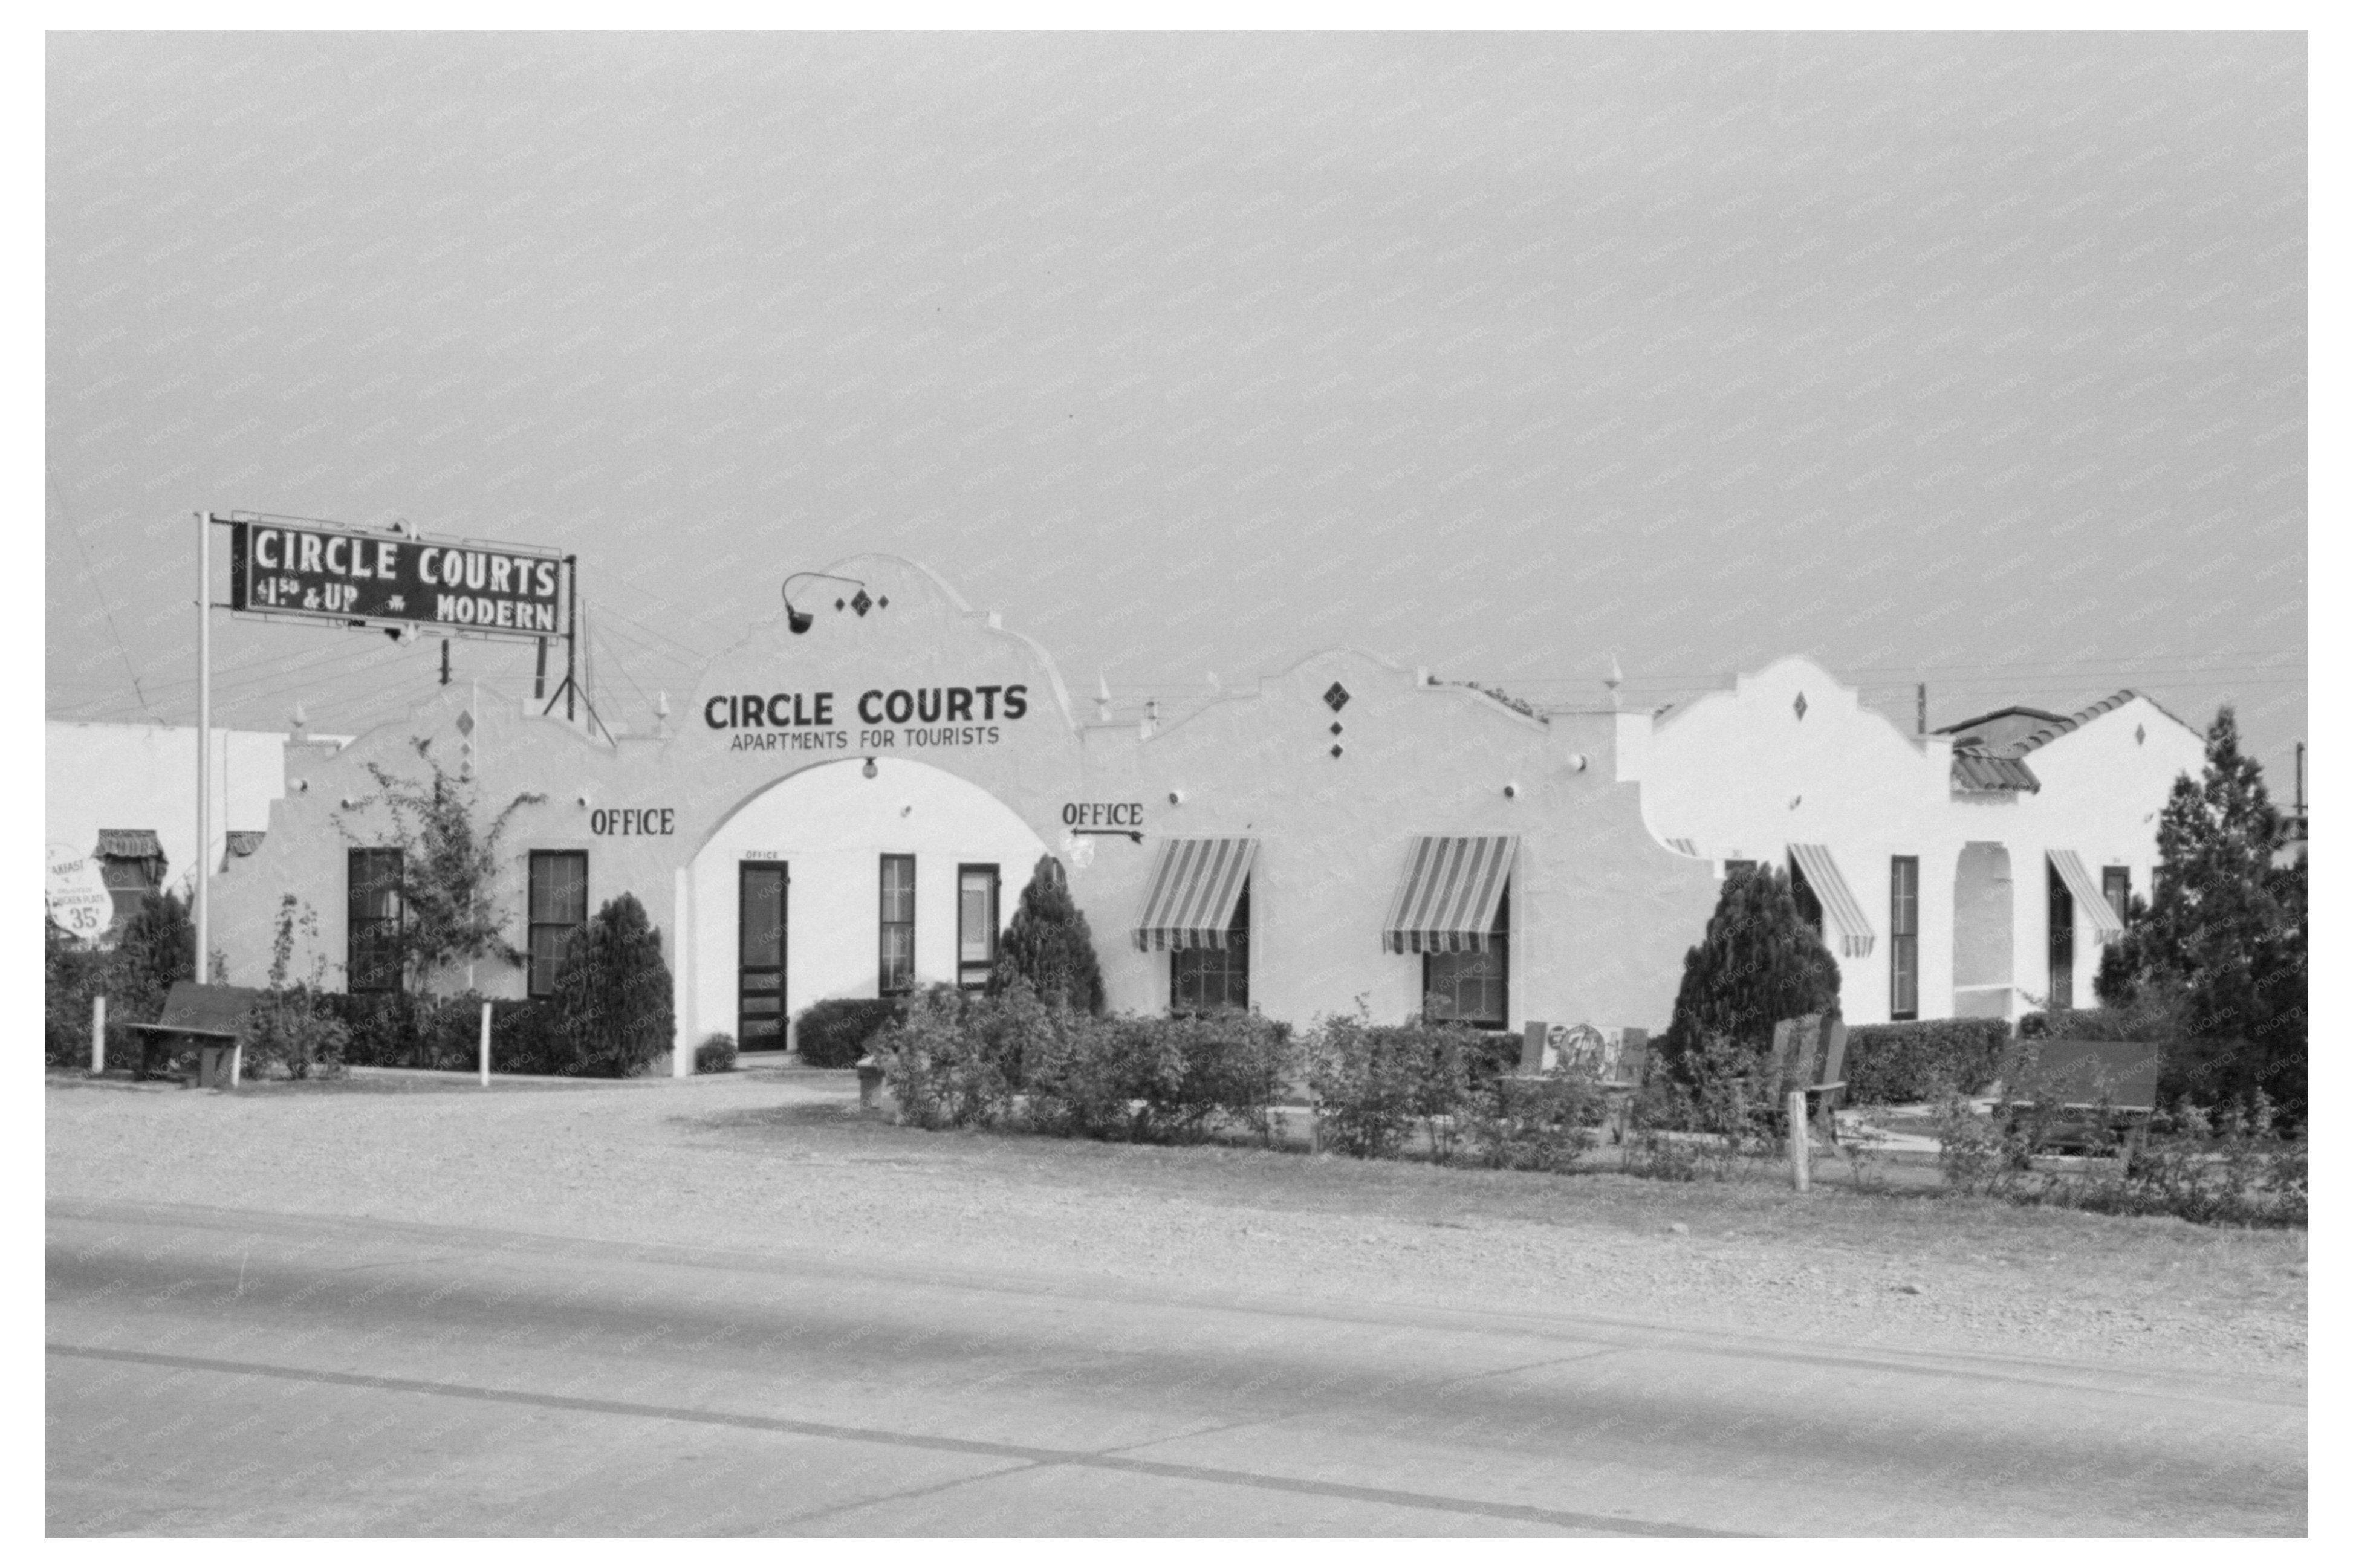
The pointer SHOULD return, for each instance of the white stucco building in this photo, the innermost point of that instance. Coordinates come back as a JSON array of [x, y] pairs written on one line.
[[1973, 872]]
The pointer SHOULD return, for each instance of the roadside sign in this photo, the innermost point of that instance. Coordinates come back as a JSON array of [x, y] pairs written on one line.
[[327, 571], [78, 899]]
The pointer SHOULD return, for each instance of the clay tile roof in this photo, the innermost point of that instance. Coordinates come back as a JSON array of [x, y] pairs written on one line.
[[243, 840], [128, 843], [1982, 772], [2058, 727]]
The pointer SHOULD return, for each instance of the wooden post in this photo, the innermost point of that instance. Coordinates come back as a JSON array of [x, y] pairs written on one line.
[[98, 1035], [486, 1045], [1800, 1142]]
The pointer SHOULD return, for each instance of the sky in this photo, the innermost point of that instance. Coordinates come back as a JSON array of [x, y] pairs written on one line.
[[1976, 360]]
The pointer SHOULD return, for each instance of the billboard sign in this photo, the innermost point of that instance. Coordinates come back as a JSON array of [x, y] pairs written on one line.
[[323, 571]]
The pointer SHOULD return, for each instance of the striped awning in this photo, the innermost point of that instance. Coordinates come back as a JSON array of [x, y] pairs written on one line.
[[2093, 902], [1839, 902], [1447, 901], [1195, 885]]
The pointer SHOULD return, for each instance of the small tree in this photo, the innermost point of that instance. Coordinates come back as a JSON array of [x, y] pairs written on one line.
[[1048, 944], [611, 1007], [449, 868], [2223, 935], [1758, 962]]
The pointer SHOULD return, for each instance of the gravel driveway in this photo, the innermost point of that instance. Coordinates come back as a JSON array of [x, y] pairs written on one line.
[[773, 1159]]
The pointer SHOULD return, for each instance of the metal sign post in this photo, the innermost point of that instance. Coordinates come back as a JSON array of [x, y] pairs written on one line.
[[204, 744]]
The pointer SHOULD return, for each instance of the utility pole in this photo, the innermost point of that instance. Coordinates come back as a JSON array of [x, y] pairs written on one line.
[[204, 744]]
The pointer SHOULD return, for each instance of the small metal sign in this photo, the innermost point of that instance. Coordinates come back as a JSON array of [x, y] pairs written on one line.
[[78, 897], [301, 570]]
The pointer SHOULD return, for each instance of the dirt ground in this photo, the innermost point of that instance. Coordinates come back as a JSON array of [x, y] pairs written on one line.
[[781, 1160]]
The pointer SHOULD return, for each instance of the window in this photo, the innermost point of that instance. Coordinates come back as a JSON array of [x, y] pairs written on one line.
[[1904, 937], [975, 925], [2116, 882], [559, 906], [1810, 908], [1202, 979], [898, 966], [2062, 943], [1737, 869], [372, 938], [1469, 987]]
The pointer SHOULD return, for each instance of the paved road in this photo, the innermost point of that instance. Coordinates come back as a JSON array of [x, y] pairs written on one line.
[[219, 1372]]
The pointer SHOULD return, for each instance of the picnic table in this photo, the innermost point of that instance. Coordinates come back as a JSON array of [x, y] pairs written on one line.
[[215, 1018]]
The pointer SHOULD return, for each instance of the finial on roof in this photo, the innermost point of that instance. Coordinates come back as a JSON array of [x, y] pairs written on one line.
[[1102, 699], [1614, 679]]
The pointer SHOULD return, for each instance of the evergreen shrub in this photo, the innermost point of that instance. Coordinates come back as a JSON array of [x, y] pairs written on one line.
[[610, 1009], [717, 1054], [1047, 944], [837, 1032], [1757, 963]]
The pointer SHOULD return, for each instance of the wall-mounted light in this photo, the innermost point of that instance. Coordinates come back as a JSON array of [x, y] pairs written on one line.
[[1176, 797], [582, 800], [1511, 792], [801, 621], [869, 770], [1577, 762]]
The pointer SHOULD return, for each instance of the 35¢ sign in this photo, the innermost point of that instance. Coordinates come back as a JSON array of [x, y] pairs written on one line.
[[78, 899]]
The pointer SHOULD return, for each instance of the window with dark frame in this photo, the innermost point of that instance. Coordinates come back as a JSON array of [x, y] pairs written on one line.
[[1205, 979], [1472, 988], [1810, 905], [897, 969], [1904, 937], [371, 936], [2061, 943], [2116, 882], [976, 925], [558, 907]]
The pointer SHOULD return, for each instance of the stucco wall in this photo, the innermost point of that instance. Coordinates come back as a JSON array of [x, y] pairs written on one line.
[[1742, 774], [1601, 912]]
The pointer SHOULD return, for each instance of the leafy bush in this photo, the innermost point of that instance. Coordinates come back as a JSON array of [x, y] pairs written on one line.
[[1758, 963], [941, 1072], [295, 1030], [717, 1054], [1373, 1082], [2230, 1169], [71, 975], [1536, 1122], [837, 1032], [1047, 944], [611, 1003], [1098, 1078], [1895, 1064]]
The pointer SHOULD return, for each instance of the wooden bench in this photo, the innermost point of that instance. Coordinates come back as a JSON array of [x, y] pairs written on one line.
[[1808, 1056], [2094, 1084], [215, 1018]]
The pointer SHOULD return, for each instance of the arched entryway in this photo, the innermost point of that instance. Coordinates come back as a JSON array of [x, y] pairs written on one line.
[[831, 882], [1982, 915]]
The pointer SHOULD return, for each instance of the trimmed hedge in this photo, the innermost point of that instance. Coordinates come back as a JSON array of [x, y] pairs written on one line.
[[395, 1029], [835, 1033], [1894, 1064], [717, 1054]]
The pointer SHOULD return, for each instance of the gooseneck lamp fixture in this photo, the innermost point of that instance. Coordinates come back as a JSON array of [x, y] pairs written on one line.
[[801, 621]]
